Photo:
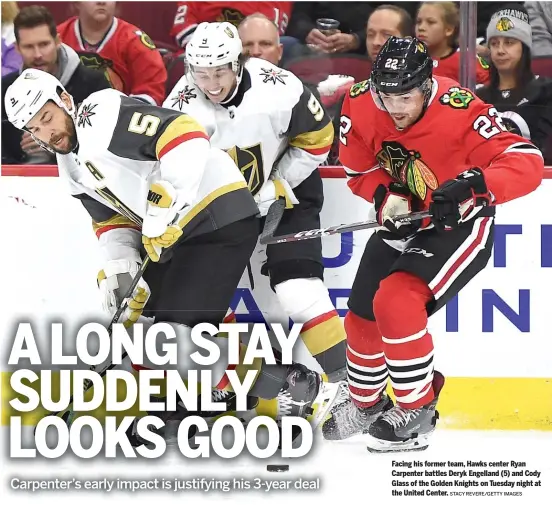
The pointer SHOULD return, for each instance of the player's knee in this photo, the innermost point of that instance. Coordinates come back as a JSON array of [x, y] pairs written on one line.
[[304, 299], [360, 329], [399, 295]]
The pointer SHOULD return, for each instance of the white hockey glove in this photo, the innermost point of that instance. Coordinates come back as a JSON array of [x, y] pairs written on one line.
[[271, 191], [160, 228], [391, 201], [114, 281]]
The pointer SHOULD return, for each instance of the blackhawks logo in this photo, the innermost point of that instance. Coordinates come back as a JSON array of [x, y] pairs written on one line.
[[359, 88], [504, 24], [408, 168], [457, 98]]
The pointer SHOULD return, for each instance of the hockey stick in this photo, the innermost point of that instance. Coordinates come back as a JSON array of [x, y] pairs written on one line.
[[69, 414], [273, 218], [342, 228]]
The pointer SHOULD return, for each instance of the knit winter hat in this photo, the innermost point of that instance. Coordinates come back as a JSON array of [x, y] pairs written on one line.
[[513, 23]]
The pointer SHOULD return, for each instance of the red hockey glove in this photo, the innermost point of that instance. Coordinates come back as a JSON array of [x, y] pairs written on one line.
[[454, 201]]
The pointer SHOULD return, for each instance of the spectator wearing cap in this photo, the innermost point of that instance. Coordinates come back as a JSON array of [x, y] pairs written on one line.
[[523, 99]]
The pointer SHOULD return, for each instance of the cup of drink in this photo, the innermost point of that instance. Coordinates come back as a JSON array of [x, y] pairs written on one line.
[[327, 26]]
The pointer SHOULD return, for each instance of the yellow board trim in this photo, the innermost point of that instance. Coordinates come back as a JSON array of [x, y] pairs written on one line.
[[180, 126], [469, 403]]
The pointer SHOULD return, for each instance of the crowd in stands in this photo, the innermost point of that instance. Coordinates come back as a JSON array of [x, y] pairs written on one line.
[[329, 45]]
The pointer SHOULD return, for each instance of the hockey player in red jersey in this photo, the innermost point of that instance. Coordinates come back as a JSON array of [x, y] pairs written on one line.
[[411, 142], [190, 14]]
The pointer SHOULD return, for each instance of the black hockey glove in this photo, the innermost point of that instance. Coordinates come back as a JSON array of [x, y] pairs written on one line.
[[455, 199], [394, 200]]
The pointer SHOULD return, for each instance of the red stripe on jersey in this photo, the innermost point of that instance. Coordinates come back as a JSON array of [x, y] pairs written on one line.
[[316, 152], [104, 229], [182, 138]]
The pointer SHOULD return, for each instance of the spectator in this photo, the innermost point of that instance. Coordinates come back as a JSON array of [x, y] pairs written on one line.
[[190, 14], [523, 99], [260, 38], [352, 29], [11, 59], [119, 48], [385, 21], [437, 25], [540, 18], [39, 45]]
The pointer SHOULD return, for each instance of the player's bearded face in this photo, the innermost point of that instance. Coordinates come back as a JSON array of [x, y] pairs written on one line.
[[217, 83], [404, 109], [55, 128]]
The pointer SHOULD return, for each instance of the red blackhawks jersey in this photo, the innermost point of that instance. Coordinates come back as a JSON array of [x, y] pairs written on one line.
[[457, 132], [126, 54], [450, 67], [190, 14]]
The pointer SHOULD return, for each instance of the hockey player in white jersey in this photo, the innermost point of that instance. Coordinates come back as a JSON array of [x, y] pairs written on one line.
[[278, 134], [154, 186]]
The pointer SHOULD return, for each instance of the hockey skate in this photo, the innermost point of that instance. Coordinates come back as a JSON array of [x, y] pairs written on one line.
[[305, 395], [403, 430], [347, 420]]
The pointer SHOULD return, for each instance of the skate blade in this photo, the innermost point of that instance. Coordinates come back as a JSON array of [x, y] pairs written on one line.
[[375, 445], [323, 403]]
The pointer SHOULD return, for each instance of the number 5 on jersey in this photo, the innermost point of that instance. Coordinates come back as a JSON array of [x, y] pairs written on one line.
[[143, 124]]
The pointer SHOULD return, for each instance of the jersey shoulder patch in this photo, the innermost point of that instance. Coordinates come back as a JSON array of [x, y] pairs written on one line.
[[457, 98], [145, 39], [359, 88]]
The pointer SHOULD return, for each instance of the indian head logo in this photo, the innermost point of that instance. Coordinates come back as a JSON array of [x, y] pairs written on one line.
[[504, 24], [408, 168]]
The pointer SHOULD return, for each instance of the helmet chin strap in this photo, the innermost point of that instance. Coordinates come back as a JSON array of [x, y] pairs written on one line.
[[239, 77]]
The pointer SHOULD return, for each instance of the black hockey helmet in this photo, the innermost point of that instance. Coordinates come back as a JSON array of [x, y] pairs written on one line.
[[401, 65]]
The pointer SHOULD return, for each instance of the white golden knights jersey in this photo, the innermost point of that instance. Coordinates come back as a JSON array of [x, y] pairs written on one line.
[[274, 125], [125, 145]]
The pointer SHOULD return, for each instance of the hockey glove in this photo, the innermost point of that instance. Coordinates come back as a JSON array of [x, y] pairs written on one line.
[[160, 228], [455, 201], [271, 191], [394, 200], [114, 281]]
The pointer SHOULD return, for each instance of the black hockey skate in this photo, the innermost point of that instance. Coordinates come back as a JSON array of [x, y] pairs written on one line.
[[305, 395], [347, 420], [404, 430]]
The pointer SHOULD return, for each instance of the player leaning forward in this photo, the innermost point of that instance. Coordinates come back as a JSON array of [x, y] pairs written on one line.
[[278, 134], [149, 176], [412, 142]]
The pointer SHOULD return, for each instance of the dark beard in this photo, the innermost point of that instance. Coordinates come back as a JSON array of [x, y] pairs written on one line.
[[72, 134]]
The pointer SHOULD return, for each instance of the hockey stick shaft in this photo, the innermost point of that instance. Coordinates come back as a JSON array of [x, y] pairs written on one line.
[[124, 303], [342, 228], [273, 218]]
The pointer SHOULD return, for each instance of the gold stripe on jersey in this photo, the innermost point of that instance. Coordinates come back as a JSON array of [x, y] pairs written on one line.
[[183, 126], [318, 139], [209, 199], [116, 221]]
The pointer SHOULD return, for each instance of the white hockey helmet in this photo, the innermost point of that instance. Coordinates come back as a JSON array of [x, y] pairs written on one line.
[[28, 94], [213, 45]]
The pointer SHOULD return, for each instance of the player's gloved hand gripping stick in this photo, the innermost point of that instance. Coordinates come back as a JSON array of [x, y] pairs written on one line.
[[68, 414], [267, 236]]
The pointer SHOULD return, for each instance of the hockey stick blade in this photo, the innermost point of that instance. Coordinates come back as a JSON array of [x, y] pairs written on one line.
[[67, 414], [272, 221], [342, 228]]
